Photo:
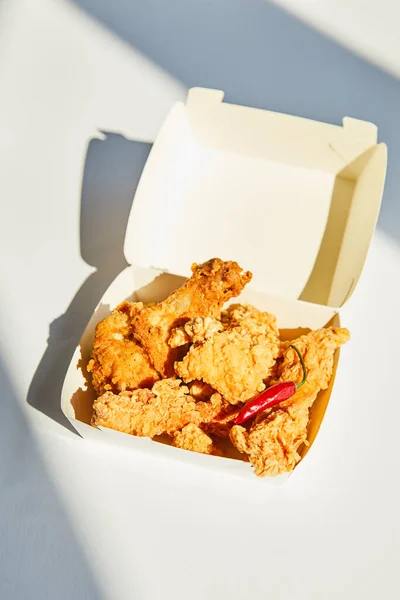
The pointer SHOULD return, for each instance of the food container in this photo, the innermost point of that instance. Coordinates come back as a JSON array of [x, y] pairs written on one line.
[[293, 200]]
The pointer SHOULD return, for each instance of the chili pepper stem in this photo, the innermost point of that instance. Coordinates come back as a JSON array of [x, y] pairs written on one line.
[[302, 382]]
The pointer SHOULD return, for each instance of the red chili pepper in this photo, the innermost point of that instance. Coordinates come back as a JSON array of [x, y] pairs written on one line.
[[272, 396]]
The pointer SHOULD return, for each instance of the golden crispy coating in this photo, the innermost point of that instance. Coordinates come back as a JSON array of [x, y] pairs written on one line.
[[317, 348], [237, 360], [191, 437], [165, 409], [236, 313], [118, 362], [199, 329], [272, 441], [200, 390], [211, 285], [194, 331], [220, 425]]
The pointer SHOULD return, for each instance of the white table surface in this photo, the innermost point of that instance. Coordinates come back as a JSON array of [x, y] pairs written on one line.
[[84, 520]]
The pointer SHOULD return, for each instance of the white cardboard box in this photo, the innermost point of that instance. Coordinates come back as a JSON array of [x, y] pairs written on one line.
[[295, 201]]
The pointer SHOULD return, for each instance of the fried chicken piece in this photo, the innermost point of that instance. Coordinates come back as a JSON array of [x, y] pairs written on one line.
[[273, 440], [211, 285], [118, 362], [192, 438], [166, 408], [317, 348], [237, 360]]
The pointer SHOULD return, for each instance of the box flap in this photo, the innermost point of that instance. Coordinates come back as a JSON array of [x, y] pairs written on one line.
[[293, 200]]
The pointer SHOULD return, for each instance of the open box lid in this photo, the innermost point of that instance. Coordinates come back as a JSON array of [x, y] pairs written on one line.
[[293, 200]]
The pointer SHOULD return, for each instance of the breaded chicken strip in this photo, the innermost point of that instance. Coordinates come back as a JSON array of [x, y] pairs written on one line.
[[165, 409], [237, 360], [210, 286], [118, 362], [192, 438], [272, 441]]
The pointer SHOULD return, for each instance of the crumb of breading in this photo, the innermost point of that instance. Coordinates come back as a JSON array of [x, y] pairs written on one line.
[[178, 337], [200, 390]]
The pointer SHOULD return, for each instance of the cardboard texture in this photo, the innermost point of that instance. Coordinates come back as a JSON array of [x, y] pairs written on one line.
[[293, 200]]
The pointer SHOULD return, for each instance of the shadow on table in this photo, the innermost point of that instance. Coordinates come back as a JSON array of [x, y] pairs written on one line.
[[40, 556], [264, 57], [112, 171]]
